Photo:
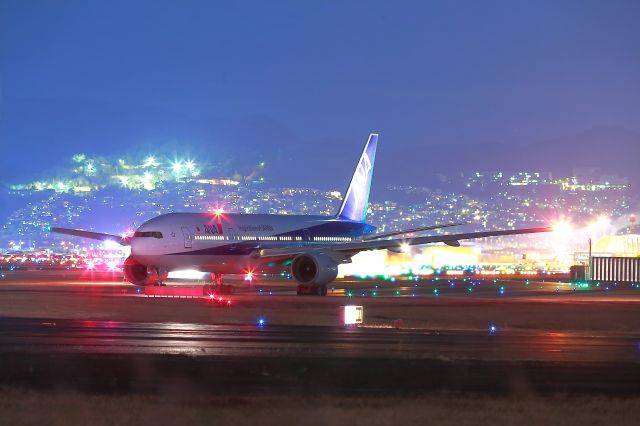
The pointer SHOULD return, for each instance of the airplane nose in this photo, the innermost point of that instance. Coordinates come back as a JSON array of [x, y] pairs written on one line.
[[136, 246]]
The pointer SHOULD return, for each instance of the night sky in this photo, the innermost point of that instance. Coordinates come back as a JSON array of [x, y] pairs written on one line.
[[310, 79]]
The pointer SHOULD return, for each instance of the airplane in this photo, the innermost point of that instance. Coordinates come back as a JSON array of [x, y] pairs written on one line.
[[309, 247]]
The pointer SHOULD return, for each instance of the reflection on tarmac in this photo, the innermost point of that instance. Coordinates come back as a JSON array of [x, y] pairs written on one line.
[[110, 337]]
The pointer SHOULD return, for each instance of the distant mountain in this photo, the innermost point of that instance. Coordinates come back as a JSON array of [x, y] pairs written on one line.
[[55, 129], [613, 151]]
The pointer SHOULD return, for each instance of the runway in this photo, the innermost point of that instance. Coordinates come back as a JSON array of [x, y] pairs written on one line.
[[107, 356], [105, 336], [20, 335]]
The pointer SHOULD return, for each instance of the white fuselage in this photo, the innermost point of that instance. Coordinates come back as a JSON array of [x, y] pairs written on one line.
[[227, 243]]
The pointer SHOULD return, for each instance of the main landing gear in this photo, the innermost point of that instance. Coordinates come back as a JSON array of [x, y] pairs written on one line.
[[161, 275], [218, 287], [311, 290]]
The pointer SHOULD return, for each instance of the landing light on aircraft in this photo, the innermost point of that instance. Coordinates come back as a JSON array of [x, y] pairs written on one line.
[[261, 322], [492, 329]]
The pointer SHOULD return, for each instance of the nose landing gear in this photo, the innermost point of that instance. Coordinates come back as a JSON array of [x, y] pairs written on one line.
[[217, 286]]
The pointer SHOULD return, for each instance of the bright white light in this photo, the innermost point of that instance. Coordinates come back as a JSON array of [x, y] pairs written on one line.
[[405, 247], [110, 245], [150, 162], [188, 274], [176, 167], [352, 314], [603, 223], [190, 165], [562, 228], [601, 226]]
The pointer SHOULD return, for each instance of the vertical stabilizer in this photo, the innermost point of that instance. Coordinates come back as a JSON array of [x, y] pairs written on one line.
[[356, 199]]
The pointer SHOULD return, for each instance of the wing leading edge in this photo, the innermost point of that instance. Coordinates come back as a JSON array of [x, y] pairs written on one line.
[[92, 235], [357, 246]]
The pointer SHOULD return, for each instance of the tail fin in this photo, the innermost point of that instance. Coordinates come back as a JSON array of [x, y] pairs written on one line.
[[356, 199]]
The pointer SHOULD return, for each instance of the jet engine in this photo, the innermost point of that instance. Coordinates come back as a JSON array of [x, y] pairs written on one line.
[[314, 269], [137, 273]]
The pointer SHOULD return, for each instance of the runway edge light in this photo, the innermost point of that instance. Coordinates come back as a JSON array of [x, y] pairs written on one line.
[[351, 315]]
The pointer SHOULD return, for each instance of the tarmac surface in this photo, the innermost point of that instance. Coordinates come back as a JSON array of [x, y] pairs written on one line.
[[20, 335], [103, 336]]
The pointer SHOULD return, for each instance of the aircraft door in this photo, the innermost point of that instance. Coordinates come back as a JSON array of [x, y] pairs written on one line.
[[188, 237]]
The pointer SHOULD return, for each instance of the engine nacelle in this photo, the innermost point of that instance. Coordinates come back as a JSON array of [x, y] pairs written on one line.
[[137, 273], [314, 269]]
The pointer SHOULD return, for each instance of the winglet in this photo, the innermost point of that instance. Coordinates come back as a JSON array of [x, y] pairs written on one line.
[[356, 199]]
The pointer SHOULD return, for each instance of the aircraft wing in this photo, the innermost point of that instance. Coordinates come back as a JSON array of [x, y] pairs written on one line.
[[354, 247], [92, 235], [410, 231]]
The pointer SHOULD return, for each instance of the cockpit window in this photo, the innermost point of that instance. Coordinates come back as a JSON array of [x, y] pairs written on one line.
[[148, 234]]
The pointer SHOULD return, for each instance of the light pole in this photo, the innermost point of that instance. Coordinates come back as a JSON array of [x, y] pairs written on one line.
[[589, 272]]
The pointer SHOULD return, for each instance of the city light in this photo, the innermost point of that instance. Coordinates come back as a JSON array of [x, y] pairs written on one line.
[[603, 215], [176, 167], [150, 161]]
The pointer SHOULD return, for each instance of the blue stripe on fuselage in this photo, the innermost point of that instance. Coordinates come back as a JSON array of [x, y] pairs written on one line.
[[337, 228]]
